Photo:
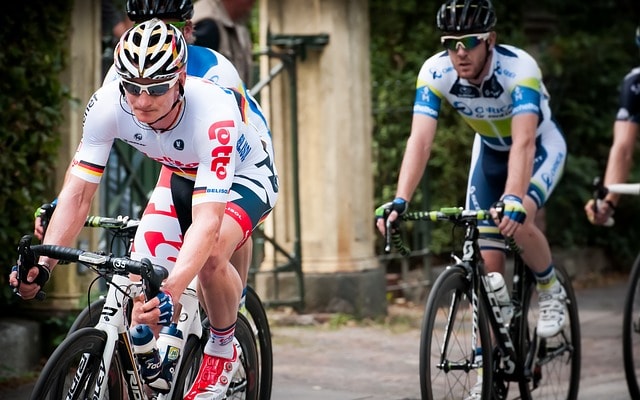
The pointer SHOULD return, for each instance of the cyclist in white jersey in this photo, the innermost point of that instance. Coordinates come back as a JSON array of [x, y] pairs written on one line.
[[198, 130], [625, 132], [518, 153], [205, 63], [209, 64]]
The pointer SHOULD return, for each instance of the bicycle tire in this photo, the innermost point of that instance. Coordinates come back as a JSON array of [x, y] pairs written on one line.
[[257, 317], [559, 375], [57, 376], [189, 364], [445, 365], [89, 316], [245, 383], [631, 331]]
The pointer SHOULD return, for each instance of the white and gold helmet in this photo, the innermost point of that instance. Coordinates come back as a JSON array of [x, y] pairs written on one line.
[[152, 50]]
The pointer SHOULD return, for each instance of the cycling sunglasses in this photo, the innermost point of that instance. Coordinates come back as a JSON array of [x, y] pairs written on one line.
[[152, 89], [467, 42]]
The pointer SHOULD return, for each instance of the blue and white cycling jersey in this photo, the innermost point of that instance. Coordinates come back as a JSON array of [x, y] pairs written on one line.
[[514, 86]]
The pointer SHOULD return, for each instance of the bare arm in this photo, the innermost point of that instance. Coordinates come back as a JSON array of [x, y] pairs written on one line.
[[73, 206], [521, 155], [417, 153], [618, 167], [72, 210], [200, 241], [621, 154]]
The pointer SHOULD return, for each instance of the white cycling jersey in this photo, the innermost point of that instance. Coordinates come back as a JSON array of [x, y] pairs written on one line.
[[210, 144], [209, 64]]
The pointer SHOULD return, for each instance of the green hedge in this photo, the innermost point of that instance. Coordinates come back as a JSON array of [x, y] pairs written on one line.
[[33, 54]]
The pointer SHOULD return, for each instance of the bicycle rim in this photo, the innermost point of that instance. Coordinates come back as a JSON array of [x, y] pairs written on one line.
[[631, 332], [245, 383], [74, 369], [446, 345], [556, 367], [257, 318]]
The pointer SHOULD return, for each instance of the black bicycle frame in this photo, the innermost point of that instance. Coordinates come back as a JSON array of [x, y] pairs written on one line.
[[472, 259]]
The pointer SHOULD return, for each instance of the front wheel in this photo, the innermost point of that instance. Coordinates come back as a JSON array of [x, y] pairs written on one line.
[[245, 383], [555, 370], [448, 367], [75, 369], [631, 331], [257, 317]]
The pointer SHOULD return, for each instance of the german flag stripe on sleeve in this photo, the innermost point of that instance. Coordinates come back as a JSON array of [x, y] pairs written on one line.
[[91, 169]]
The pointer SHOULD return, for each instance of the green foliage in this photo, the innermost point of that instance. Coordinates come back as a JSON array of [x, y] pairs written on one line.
[[31, 101], [584, 52]]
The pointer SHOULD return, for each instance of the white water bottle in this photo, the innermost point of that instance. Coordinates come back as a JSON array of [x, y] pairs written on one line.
[[501, 292], [170, 346]]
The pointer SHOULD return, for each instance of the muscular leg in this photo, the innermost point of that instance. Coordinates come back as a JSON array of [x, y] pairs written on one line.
[[241, 259], [535, 247], [536, 252], [219, 283]]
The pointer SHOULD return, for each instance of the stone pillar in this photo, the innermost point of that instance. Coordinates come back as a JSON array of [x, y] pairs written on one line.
[[334, 135], [82, 76]]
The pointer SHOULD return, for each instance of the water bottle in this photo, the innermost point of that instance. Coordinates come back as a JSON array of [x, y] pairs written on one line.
[[146, 351], [502, 295], [170, 346]]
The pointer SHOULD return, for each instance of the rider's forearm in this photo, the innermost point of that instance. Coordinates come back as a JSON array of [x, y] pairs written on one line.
[[521, 155], [71, 211], [621, 155], [200, 242], [416, 156]]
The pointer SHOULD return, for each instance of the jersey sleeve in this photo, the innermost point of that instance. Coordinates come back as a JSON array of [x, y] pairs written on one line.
[[428, 98], [528, 89], [629, 109], [97, 138], [216, 147]]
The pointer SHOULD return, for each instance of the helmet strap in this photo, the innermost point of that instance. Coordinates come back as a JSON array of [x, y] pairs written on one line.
[[175, 103]]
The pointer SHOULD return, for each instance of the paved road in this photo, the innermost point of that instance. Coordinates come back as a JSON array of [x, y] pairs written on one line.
[[380, 362]]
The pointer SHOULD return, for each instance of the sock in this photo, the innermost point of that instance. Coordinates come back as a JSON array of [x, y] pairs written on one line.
[[546, 279], [220, 342]]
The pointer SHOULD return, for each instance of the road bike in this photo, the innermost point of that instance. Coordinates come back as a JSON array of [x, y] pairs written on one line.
[[631, 314], [98, 362], [120, 234], [463, 314]]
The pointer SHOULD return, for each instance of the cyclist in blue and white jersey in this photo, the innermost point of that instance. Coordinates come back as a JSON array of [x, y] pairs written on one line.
[[518, 153], [625, 132]]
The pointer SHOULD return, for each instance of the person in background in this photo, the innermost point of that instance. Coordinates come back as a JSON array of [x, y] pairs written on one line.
[[625, 133], [114, 24], [222, 25]]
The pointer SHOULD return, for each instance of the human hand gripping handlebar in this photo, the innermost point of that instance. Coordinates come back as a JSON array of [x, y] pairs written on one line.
[[152, 275], [600, 191], [457, 215]]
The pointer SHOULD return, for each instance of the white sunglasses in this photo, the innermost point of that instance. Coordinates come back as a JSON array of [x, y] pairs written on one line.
[[152, 89], [467, 42]]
